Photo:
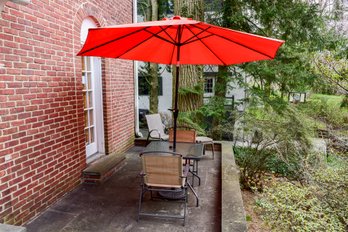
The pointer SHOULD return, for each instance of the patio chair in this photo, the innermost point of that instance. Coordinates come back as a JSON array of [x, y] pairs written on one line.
[[163, 172], [188, 134], [156, 127], [183, 135]]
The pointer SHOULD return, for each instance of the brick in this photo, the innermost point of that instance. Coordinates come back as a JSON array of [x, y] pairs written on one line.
[[24, 115], [41, 101], [11, 143]]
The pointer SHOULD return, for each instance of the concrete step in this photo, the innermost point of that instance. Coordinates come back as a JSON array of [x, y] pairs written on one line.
[[101, 169]]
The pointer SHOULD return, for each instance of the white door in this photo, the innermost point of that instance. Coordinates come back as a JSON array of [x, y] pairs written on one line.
[[93, 110]]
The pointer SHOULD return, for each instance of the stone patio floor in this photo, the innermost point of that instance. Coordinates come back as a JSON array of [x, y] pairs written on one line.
[[113, 205]]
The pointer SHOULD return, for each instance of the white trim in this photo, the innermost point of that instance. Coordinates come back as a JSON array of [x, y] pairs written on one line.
[[98, 107], [136, 81], [92, 148]]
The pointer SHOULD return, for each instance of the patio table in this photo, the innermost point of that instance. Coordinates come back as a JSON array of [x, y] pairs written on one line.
[[190, 152]]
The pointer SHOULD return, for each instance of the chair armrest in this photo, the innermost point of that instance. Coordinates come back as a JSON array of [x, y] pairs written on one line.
[[159, 134]]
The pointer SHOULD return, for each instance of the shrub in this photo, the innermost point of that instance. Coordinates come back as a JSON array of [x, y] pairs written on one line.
[[320, 205], [288, 207], [271, 136], [332, 185]]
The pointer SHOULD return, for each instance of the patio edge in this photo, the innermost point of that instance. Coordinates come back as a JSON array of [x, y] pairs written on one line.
[[232, 208], [11, 228]]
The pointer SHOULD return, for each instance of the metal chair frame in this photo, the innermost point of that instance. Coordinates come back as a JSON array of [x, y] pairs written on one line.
[[147, 187]]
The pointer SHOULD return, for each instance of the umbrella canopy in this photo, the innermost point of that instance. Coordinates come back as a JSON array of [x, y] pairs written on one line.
[[178, 41]]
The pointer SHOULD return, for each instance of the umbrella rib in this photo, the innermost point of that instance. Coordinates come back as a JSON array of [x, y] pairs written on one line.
[[143, 41], [194, 40], [200, 39], [247, 47], [159, 37], [165, 31], [176, 44], [190, 40]]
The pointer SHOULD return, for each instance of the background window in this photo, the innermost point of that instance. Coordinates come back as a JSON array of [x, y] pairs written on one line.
[[209, 85], [144, 86]]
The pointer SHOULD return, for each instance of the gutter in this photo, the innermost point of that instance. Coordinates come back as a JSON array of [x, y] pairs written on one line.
[[135, 72]]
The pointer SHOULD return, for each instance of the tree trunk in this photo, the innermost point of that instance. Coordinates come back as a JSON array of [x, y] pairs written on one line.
[[191, 76], [153, 67]]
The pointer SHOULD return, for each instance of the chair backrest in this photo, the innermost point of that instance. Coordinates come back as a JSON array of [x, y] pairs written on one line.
[[155, 125], [183, 135], [163, 169]]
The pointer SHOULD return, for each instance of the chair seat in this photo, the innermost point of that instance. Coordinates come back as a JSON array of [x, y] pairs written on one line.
[[206, 141], [164, 137], [203, 139]]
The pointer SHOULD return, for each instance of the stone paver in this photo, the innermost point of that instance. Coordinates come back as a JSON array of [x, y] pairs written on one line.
[[112, 206]]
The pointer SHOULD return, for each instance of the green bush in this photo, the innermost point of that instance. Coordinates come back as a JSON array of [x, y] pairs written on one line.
[[332, 183], [320, 205], [272, 137], [273, 164], [288, 207]]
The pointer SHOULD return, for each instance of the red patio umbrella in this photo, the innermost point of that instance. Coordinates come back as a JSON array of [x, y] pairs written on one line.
[[178, 41]]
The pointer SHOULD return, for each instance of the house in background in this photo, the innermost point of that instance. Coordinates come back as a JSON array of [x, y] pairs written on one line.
[[234, 96], [57, 111], [164, 93]]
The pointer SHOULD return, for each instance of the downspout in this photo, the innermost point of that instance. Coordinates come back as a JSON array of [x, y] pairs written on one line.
[[136, 92]]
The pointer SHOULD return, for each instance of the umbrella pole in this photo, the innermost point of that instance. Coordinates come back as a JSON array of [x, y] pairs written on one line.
[[177, 76], [176, 110]]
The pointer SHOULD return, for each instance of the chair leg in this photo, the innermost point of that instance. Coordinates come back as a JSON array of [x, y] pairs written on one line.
[[141, 197], [195, 170], [194, 173], [194, 193], [185, 206]]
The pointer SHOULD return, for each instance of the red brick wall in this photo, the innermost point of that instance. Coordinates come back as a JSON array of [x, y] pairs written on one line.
[[42, 150]]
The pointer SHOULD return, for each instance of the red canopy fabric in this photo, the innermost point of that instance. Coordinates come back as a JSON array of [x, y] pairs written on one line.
[[193, 41]]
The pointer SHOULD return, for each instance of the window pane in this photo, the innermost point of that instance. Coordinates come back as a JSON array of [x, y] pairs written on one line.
[[83, 63], [84, 100], [86, 136], [91, 121], [89, 81], [84, 80], [90, 99], [144, 86], [208, 85], [160, 86], [86, 118], [88, 63], [91, 130]]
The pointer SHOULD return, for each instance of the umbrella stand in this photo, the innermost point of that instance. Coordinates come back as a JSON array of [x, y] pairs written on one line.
[[176, 110]]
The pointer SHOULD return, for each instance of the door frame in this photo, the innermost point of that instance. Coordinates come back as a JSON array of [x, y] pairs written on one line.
[[96, 84]]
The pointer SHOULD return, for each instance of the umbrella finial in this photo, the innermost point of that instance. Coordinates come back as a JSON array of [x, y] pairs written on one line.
[[176, 17]]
